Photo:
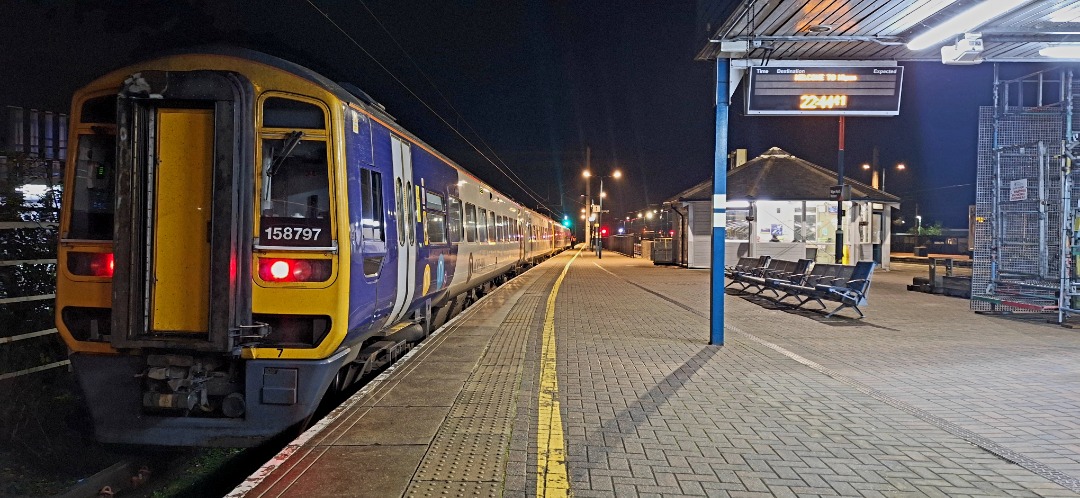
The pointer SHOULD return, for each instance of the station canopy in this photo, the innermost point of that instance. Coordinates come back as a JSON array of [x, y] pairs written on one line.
[[970, 31]]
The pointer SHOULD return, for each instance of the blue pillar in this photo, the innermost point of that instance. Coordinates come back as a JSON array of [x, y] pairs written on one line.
[[719, 203]]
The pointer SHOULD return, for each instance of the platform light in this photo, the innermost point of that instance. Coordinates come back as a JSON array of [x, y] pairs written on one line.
[[963, 22], [1066, 14], [1061, 51]]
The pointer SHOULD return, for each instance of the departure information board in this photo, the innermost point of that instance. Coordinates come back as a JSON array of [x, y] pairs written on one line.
[[824, 90]]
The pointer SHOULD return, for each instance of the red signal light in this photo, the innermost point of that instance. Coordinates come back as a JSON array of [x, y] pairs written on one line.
[[91, 264], [294, 270], [603, 231]]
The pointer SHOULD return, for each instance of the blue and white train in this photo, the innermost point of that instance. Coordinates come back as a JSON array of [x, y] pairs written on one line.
[[241, 235]]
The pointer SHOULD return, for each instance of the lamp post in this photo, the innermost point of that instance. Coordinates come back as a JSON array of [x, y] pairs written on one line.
[[600, 215], [875, 179], [588, 209]]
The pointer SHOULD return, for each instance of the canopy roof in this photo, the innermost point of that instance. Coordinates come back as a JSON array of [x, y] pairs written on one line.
[[777, 175], [877, 29]]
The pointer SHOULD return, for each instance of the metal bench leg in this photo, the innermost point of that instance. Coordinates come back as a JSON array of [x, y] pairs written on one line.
[[842, 306]]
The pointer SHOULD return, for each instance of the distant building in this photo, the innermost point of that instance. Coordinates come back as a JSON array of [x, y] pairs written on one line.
[[34, 134], [779, 205]]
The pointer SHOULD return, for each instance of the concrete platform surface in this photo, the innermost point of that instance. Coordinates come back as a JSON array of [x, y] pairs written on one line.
[[612, 390]]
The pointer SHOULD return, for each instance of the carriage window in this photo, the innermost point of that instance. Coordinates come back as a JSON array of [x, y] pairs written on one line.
[[398, 199], [470, 222], [435, 219], [481, 225], [453, 220], [491, 226], [372, 205], [92, 195], [411, 206], [288, 113]]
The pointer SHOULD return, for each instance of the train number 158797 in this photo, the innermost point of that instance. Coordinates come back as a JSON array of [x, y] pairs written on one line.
[[291, 233]]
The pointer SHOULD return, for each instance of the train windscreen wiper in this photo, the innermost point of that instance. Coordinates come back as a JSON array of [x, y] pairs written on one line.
[[274, 162]]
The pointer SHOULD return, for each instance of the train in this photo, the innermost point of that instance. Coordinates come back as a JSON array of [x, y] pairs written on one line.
[[241, 236]]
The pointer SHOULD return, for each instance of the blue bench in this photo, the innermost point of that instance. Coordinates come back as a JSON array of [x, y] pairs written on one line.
[[843, 284], [776, 268]]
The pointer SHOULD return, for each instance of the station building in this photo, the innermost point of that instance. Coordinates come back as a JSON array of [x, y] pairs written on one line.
[[779, 205]]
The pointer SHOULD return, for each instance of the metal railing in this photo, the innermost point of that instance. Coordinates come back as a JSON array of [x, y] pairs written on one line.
[[28, 341]]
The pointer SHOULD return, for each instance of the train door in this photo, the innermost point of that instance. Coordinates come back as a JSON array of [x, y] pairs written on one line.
[[184, 179], [180, 254], [405, 208], [519, 233]]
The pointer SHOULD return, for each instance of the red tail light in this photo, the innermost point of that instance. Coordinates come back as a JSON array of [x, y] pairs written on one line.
[[91, 264], [294, 270]]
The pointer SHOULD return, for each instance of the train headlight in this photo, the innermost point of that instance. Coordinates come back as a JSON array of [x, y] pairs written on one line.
[[294, 270]]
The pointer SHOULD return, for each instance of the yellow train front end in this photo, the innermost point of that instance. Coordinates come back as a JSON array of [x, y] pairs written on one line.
[[201, 288]]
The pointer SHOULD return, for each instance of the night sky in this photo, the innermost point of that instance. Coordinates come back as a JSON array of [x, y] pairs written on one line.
[[531, 84]]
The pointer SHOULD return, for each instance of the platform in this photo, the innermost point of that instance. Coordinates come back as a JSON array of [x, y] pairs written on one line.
[[921, 398]]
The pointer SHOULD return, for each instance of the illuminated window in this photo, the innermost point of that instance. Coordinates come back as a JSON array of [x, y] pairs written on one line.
[[470, 222], [453, 220], [481, 225], [435, 219], [371, 208]]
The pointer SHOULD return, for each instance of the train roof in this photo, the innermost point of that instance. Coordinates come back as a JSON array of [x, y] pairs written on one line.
[[347, 92]]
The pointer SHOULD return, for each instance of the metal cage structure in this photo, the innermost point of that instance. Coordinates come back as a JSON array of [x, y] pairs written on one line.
[[1027, 221]]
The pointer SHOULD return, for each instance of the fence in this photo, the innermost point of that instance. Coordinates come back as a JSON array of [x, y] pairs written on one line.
[[28, 239], [1026, 219]]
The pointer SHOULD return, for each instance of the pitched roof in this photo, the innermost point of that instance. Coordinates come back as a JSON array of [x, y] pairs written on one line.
[[777, 175]]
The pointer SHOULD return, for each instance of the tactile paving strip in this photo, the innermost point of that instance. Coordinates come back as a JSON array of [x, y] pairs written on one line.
[[475, 394], [477, 425], [468, 455], [447, 488], [503, 409], [464, 457]]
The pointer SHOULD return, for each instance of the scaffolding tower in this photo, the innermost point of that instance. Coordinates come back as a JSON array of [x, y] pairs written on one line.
[[1027, 223]]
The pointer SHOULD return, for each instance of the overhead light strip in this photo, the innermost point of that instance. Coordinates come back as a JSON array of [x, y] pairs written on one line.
[[963, 22], [1066, 14], [1061, 51]]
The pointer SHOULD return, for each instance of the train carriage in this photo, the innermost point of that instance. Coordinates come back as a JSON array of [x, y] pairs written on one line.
[[241, 235]]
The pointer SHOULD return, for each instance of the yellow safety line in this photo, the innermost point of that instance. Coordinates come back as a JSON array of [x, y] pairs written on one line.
[[551, 476]]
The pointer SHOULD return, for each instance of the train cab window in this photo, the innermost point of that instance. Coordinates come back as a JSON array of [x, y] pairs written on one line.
[[299, 183], [481, 225], [470, 222], [453, 219], [92, 194], [287, 113], [99, 110], [371, 208], [435, 218]]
